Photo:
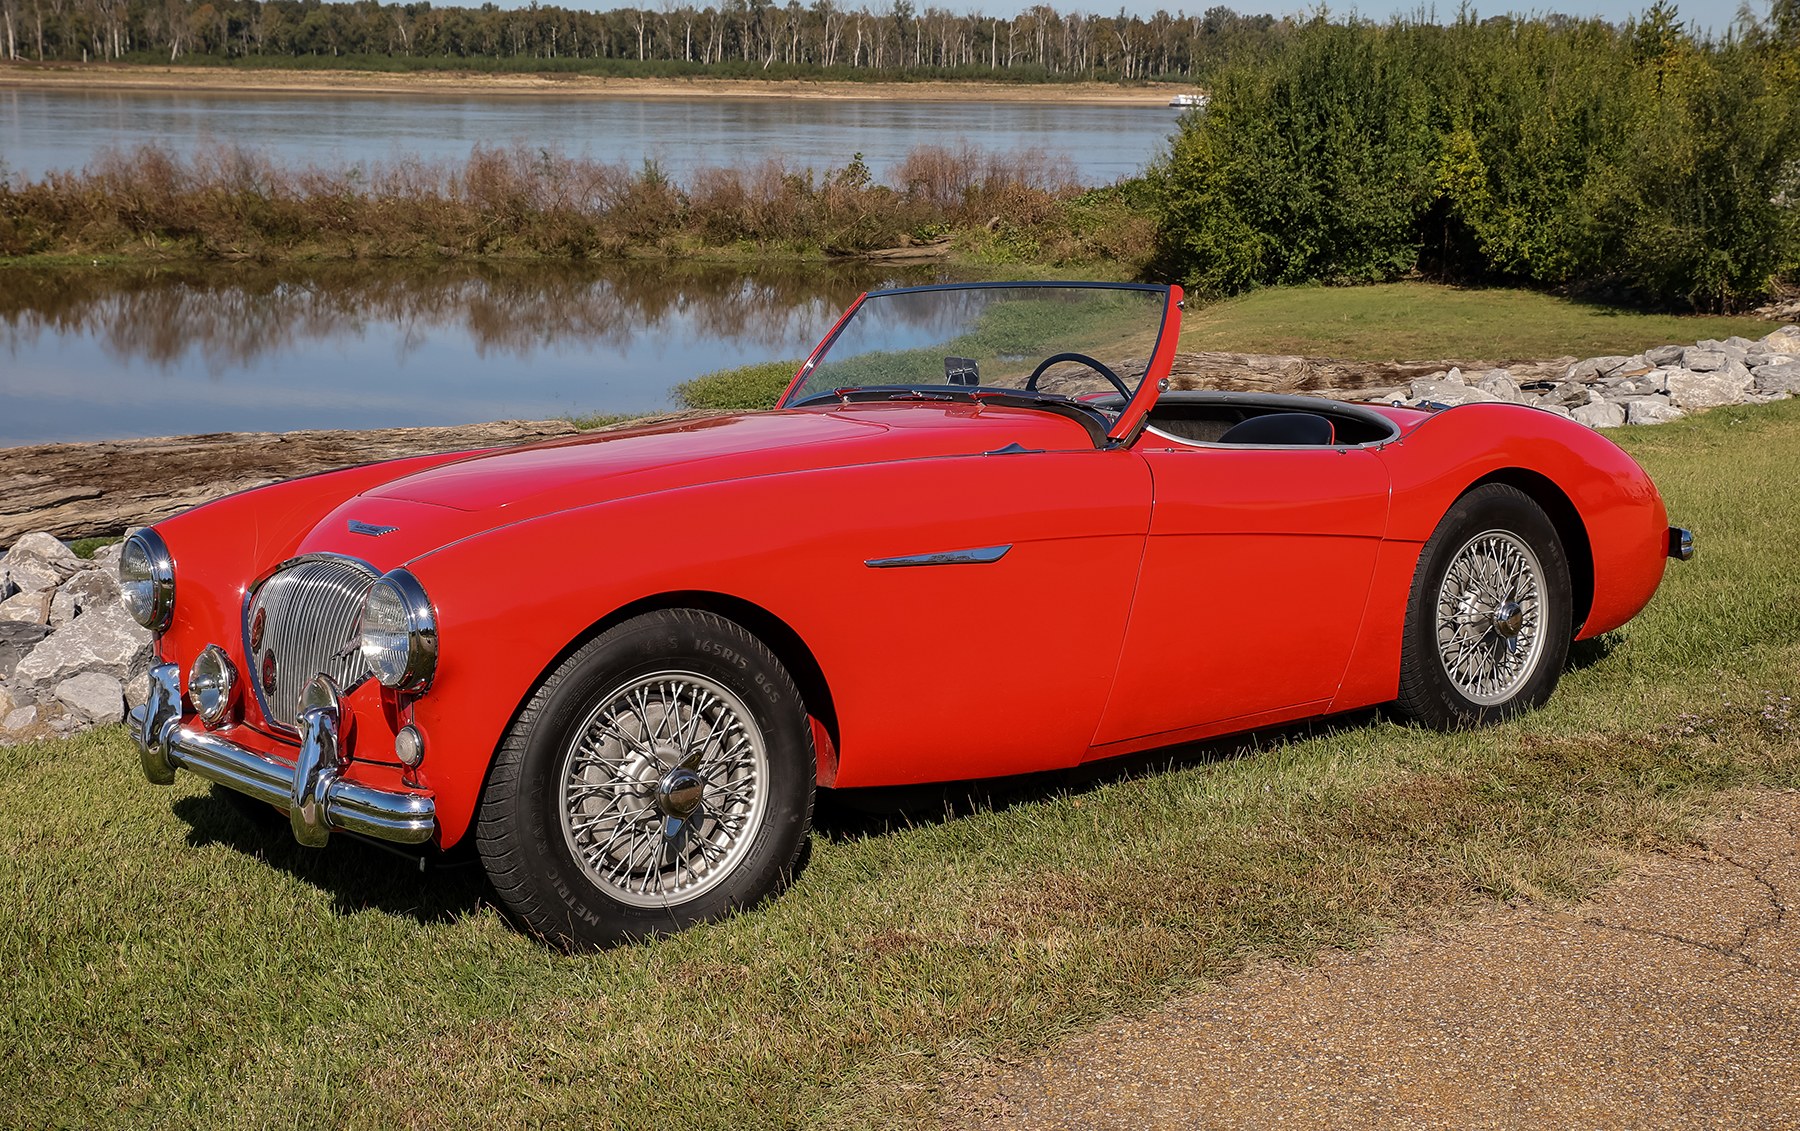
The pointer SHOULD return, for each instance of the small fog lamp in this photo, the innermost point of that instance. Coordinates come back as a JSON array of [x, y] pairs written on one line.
[[409, 747], [212, 685]]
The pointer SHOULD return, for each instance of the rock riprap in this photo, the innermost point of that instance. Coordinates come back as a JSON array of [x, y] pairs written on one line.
[[1658, 385], [71, 657]]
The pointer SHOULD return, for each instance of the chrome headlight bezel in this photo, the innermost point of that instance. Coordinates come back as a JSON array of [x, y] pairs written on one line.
[[213, 685], [146, 575], [398, 633]]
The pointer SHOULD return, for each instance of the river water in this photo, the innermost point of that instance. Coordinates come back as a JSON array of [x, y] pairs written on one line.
[[107, 353], [110, 353], [44, 130]]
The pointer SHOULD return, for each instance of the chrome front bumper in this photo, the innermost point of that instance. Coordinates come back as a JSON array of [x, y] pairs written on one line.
[[318, 799]]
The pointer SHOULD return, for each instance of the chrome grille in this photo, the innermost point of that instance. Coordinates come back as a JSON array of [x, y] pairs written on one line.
[[308, 611]]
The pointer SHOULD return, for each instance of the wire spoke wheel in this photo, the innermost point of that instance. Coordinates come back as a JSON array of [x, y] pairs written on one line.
[[662, 788], [1489, 616]]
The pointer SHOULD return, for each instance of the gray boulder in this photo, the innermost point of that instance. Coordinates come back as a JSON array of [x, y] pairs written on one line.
[[1733, 348], [18, 719], [93, 697], [1694, 391], [38, 561], [30, 575], [1664, 356], [1498, 383], [27, 608], [1699, 359], [1595, 367], [1784, 340], [1557, 410], [17, 639], [107, 557], [103, 639], [1651, 410], [1604, 414], [1445, 391], [1778, 378], [1642, 385], [86, 590], [1568, 394]]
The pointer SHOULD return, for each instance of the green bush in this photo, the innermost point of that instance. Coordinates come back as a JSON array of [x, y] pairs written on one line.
[[747, 386], [1637, 160]]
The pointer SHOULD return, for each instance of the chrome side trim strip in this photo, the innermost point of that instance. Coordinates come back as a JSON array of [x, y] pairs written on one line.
[[984, 555], [331, 803]]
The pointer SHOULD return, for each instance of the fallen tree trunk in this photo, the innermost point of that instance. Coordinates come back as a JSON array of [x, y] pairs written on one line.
[[86, 490]]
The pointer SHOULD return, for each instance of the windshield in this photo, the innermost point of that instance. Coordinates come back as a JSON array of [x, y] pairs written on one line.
[[1088, 342]]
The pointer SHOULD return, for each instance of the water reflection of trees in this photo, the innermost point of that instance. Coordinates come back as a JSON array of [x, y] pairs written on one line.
[[232, 316]]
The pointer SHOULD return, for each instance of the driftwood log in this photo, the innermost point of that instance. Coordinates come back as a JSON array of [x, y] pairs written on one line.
[[95, 489], [83, 490]]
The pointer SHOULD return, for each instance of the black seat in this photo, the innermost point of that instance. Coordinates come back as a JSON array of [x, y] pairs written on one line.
[[1283, 428]]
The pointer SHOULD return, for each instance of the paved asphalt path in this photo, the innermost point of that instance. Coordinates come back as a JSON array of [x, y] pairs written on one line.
[[1672, 1000]]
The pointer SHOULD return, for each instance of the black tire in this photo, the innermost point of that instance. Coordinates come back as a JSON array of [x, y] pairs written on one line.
[[1458, 622], [548, 793]]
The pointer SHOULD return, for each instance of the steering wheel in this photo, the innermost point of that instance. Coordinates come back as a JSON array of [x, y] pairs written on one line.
[[1096, 366]]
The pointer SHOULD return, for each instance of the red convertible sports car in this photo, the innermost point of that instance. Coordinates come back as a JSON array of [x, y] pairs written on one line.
[[978, 537]]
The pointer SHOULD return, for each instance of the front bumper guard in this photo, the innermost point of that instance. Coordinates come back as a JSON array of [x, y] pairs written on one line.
[[318, 799]]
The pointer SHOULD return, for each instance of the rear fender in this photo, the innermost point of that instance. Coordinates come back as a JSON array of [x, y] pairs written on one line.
[[1614, 501]]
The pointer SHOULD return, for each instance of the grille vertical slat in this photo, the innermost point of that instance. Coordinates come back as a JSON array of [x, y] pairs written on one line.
[[309, 610]]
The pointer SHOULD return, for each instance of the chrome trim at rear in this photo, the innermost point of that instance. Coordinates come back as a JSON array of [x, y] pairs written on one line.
[[330, 802], [984, 555]]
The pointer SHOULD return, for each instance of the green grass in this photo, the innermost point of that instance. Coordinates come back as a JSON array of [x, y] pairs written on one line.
[[170, 963], [84, 548], [1418, 321]]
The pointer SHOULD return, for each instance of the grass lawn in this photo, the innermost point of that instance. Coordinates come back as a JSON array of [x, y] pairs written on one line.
[[1420, 321], [170, 963]]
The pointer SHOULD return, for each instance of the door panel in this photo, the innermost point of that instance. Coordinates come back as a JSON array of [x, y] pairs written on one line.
[[972, 662], [1253, 585]]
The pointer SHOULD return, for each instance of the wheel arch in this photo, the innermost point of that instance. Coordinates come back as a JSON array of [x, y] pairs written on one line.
[[1557, 506], [774, 632]]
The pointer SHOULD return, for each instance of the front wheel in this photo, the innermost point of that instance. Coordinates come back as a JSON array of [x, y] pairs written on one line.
[[1488, 620], [661, 776]]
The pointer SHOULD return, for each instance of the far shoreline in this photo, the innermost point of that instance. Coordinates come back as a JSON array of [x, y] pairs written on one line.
[[141, 78]]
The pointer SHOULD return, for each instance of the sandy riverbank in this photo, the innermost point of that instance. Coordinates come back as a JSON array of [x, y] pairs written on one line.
[[221, 80]]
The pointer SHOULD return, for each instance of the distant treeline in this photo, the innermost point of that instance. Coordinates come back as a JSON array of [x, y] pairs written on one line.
[[826, 38], [1639, 161]]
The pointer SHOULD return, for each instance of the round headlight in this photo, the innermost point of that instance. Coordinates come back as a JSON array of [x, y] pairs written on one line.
[[399, 632], [147, 580], [212, 685]]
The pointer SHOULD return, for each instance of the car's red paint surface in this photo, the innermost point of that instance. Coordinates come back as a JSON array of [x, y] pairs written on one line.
[[1154, 592]]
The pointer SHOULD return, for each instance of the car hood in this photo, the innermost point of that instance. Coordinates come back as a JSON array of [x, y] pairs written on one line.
[[414, 513]]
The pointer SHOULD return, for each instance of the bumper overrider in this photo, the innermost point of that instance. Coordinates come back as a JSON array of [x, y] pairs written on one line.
[[318, 799]]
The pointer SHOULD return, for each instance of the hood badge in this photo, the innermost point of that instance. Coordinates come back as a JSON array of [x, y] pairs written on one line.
[[369, 528]]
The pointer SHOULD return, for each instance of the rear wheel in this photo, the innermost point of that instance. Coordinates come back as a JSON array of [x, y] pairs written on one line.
[[660, 777], [1488, 621]]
